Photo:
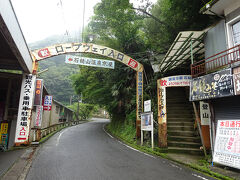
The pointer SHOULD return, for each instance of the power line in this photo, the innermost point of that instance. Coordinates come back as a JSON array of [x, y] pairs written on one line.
[[83, 18]]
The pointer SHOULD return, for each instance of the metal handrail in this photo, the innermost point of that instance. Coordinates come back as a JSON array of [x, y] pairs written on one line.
[[216, 62]]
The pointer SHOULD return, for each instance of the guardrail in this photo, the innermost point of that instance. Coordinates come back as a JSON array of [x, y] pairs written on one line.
[[216, 62], [38, 134]]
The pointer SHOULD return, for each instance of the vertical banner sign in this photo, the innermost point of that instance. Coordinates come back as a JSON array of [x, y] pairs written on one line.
[[236, 80], [227, 144], [139, 101], [139, 94], [38, 119], [25, 109], [38, 92], [205, 113], [47, 105]]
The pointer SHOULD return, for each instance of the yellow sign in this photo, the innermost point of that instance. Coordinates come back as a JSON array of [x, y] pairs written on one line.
[[4, 128]]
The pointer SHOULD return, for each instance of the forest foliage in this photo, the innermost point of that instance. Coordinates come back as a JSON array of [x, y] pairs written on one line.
[[140, 32]]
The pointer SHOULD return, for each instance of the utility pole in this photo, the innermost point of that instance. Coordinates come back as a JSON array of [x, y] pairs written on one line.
[[78, 110]]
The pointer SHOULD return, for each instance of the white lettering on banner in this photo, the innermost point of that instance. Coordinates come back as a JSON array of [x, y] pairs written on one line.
[[85, 61], [25, 108], [227, 144]]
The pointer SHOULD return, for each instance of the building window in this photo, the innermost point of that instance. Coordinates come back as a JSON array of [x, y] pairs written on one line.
[[236, 33]]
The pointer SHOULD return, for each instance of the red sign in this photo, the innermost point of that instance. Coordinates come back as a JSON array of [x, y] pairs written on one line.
[[44, 53], [132, 63], [38, 92]]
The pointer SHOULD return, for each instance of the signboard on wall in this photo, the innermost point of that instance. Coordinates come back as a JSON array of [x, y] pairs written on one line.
[[24, 109], [47, 105], [38, 118], [218, 84], [227, 143], [205, 113], [85, 61], [38, 92]]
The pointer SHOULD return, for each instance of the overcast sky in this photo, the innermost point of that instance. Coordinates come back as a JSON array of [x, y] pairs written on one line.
[[42, 18]]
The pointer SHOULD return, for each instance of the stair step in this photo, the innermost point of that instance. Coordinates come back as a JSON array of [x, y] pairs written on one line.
[[182, 115], [184, 144], [185, 150], [180, 128], [179, 111], [184, 138], [179, 107], [177, 123], [179, 118], [182, 133], [177, 103]]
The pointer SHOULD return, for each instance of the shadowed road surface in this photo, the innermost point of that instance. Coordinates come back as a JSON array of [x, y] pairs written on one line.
[[86, 152]]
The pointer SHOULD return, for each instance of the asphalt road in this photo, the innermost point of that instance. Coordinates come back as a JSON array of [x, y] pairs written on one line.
[[86, 152]]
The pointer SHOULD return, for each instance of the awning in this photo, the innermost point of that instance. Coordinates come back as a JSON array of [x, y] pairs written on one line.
[[185, 44]]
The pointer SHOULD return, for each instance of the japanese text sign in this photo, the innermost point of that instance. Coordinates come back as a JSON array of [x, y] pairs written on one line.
[[85, 61], [218, 84], [205, 113], [38, 92], [139, 94], [25, 108], [86, 48], [227, 143], [147, 106], [147, 121], [47, 105], [38, 118], [236, 78]]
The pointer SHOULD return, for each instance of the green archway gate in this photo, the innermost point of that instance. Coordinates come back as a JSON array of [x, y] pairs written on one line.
[[66, 48]]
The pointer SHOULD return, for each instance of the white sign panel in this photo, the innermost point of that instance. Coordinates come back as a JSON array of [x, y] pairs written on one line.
[[147, 121], [47, 105], [205, 113], [227, 144], [147, 106], [85, 61], [25, 108], [176, 81], [38, 119]]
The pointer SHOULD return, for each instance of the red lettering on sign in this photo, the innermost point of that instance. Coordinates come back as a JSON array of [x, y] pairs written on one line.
[[132, 63], [70, 59], [163, 82], [44, 53]]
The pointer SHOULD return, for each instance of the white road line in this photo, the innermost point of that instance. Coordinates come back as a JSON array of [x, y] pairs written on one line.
[[58, 139], [173, 165], [128, 146], [199, 177]]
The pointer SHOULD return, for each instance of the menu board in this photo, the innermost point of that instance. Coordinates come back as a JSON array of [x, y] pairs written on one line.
[[218, 84], [227, 144]]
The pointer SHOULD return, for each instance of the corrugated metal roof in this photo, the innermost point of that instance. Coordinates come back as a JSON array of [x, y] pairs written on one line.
[[180, 51]]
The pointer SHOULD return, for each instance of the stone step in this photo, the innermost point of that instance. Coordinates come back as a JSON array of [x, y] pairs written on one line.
[[184, 144], [180, 119], [179, 111], [180, 128], [184, 138], [182, 133], [177, 123], [194, 151], [178, 115], [179, 107]]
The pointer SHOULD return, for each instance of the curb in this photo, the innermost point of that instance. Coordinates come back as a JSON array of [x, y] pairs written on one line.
[[199, 169], [22, 165]]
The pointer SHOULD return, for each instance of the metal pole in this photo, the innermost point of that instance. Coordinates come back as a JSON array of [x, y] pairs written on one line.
[[191, 51]]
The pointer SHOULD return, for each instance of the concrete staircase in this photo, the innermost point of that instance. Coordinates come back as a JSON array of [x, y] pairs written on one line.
[[182, 138]]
